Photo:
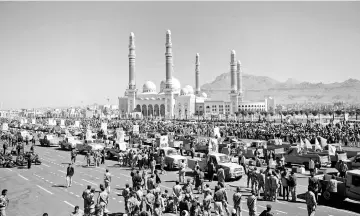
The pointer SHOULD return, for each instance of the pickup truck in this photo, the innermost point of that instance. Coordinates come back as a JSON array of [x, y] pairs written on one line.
[[70, 143], [353, 163], [348, 187], [50, 140], [296, 156], [90, 146], [340, 154], [232, 170], [172, 157]]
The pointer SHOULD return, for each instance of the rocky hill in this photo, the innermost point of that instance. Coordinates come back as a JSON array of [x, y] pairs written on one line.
[[288, 92]]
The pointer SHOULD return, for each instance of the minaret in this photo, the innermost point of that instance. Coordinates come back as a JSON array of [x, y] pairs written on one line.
[[233, 92], [169, 60], [169, 94], [197, 74], [132, 56], [239, 81], [233, 71], [131, 91]]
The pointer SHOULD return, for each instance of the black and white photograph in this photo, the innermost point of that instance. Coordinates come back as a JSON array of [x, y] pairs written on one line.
[[179, 108]]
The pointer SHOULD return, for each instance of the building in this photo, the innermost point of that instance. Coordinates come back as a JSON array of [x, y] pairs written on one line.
[[173, 101]]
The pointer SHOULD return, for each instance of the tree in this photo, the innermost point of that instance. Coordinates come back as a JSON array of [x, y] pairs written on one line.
[[325, 112], [301, 112], [315, 112], [338, 112], [352, 113], [285, 113], [307, 114], [357, 112], [297, 112]]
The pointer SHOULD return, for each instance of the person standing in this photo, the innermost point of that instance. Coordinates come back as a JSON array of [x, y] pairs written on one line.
[[314, 185], [310, 202], [29, 161], [182, 171], [211, 170], [149, 201], [126, 195], [221, 175], [285, 186], [69, 175], [292, 186], [261, 180], [218, 201], [4, 202], [91, 201], [85, 195], [107, 180], [153, 165], [311, 165], [177, 190], [103, 199], [73, 155], [237, 201], [251, 203]]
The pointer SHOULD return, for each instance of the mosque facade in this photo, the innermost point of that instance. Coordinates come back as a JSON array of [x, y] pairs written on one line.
[[173, 101]]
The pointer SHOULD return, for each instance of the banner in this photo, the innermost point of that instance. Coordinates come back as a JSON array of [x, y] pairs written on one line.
[[164, 141], [33, 121], [317, 145], [136, 129], [62, 122], [332, 150], [5, 127], [88, 135], [120, 135], [308, 144], [52, 122], [104, 127], [22, 121], [217, 132], [25, 121], [77, 124], [122, 146]]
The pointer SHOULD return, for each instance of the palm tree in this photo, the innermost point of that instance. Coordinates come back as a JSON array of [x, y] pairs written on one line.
[[357, 112], [297, 112]]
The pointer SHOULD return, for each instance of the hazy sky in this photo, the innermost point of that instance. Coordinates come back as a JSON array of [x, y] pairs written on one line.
[[62, 53]]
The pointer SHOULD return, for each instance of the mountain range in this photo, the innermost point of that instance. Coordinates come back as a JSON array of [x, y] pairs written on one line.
[[291, 91]]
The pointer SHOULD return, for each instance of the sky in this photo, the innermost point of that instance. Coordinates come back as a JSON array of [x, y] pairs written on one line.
[[76, 53]]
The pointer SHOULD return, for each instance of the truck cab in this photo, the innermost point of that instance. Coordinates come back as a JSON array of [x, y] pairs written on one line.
[[172, 157]]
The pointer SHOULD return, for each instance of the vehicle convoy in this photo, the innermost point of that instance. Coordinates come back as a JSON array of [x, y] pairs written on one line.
[[50, 140], [90, 145], [70, 142], [348, 187], [340, 154], [172, 158], [232, 170], [255, 148], [353, 163], [296, 156]]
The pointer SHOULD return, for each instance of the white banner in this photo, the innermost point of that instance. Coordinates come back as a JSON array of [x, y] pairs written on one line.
[[33, 121], [5, 127], [217, 132], [62, 122], [52, 122], [25, 121], [120, 136], [88, 134], [136, 129], [164, 141], [77, 124], [22, 121], [122, 146], [104, 127]]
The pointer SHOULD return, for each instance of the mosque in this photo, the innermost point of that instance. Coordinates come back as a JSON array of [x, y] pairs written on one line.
[[173, 101]]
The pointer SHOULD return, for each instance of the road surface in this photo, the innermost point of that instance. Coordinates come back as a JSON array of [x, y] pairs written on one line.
[[41, 188]]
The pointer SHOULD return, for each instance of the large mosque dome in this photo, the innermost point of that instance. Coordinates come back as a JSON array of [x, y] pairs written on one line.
[[149, 86], [176, 86]]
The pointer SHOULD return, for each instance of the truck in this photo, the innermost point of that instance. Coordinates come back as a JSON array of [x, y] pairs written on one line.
[[353, 162], [50, 140], [232, 170], [340, 154], [296, 156], [348, 187], [172, 157], [70, 142], [89, 145]]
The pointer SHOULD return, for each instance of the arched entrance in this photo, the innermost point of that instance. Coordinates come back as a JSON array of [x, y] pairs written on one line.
[[144, 110], [162, 110], [156, 110], [138, 108], [150, 110]]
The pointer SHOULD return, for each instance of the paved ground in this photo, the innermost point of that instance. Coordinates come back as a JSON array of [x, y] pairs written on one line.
[[41, 189]]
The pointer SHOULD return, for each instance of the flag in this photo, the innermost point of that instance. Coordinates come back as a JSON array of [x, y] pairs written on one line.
[[302, 145], [317, 145], [323, 141], [308, 144], [332, 150]]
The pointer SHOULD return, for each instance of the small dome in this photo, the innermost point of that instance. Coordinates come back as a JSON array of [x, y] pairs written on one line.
[[125, 93], [190, 89], [162, 86], [175, 84], [149, 87], [204, 95], [184, 91]]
